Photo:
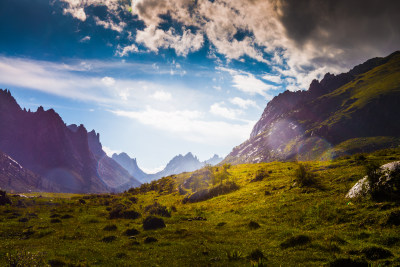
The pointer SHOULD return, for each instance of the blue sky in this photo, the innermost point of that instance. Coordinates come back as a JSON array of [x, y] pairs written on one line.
[[161, 78]]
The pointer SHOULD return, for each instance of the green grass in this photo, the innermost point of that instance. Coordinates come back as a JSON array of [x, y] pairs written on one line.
[[331, 225]]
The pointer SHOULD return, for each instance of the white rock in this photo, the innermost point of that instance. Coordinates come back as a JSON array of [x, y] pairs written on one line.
[[361, 188]]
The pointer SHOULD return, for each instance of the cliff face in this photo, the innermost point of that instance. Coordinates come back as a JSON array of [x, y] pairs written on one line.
[[14, 177], [308, 124], [42, 143]]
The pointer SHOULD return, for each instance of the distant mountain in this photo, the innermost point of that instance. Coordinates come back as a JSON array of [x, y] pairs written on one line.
[[351, 112], [131, 166], [176, 165], [41, 142], [214, 160], [110, 172]]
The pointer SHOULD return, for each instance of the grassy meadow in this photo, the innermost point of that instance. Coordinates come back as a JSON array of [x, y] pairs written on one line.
[[270, 219]]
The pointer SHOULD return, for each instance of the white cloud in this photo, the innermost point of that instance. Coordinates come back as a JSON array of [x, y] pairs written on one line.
[[154, 39], [248, 83], [162, 96], [76, 12], [272, 78], [243, 103], [191, 125], [218, 88], [108, 81], [85, 39], [220, 110], [124, 51], [110, 24], [82, 80]]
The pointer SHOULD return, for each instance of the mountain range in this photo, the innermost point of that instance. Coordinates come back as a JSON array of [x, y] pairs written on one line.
[[342, 114], [62, 159], [176, 165], [39, 152]]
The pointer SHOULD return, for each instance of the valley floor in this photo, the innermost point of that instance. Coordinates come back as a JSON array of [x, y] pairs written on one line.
[[270, 222]]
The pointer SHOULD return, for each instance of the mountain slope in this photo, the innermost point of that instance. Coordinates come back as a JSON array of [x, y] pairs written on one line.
[[109, 170], [130, 165], [14, 177], [42, 143], [314, 124]]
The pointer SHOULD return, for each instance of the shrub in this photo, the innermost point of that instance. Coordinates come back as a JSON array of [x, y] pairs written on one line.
[[210, 193], [294, 241], [157, 209], [152, 223], [383, 184], [254, 225], [56, 263], [23, 219], [55, 221], [121, 212], [131, 232], [109, 239], [256, 255], [4, 199], [150, 240], [376, 253], [260, 175], [234, 255], [111, 227], [304, 177]]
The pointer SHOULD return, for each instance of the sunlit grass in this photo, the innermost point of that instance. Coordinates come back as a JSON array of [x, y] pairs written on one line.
[[210, 232]]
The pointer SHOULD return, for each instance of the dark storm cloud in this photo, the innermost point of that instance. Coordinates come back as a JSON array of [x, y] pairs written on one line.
[[354, 26]]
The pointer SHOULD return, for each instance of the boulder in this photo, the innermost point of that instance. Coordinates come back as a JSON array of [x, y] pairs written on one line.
[[362, 187]]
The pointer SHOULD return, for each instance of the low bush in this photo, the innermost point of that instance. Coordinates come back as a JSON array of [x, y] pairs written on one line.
[[304, 177], [4, 199], [109, 239], [157, 209], [383, 184], [234, 255], [254, 225], [150, 239], [298, 240], [376, 253], [205, 194], [111, 227], [152, 223], [256, 255], [131, 232], [122, 212], [260, 175]]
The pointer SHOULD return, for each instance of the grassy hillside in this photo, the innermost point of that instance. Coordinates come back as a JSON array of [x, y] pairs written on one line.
[[270, 213]]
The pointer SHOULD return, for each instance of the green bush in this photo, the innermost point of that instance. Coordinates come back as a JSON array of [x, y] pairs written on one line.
[[304, 177], [157, 209], [4, 199]]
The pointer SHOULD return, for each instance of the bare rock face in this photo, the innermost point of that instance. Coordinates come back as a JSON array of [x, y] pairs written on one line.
[[362, 187], [65, 158], [306, 125]]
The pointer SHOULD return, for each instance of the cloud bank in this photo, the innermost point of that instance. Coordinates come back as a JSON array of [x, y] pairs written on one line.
[[301, 40]]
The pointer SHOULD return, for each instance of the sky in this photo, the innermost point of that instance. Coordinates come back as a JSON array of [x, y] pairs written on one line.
[[158, 78]]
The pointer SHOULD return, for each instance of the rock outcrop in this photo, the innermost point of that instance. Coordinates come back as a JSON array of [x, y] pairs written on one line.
[[308, 125]]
